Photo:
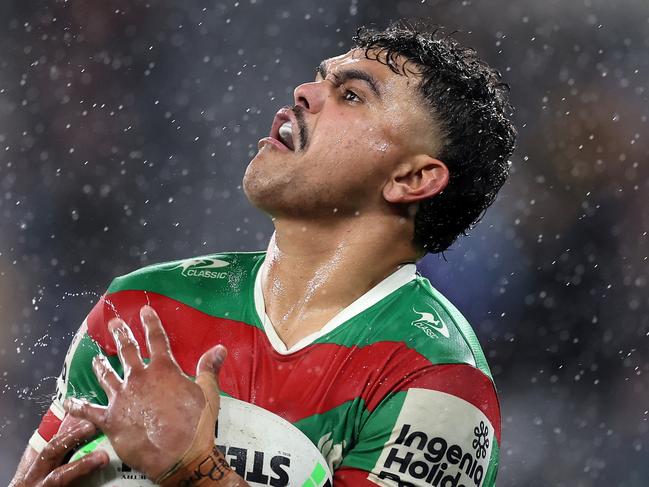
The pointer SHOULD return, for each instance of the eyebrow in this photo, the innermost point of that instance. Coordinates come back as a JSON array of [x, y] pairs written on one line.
[[348, 74]]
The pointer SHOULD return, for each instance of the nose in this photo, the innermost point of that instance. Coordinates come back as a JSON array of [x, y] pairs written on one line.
[[310, 96]]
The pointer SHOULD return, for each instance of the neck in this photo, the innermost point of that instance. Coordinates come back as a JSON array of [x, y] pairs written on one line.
[[313, 269]]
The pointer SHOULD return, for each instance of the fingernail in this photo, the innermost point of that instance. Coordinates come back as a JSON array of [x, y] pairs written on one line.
[[221, 353], [68, 404], [146, 311], [114, 325]]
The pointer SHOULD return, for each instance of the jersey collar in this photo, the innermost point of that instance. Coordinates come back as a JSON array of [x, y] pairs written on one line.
[[387, 286]]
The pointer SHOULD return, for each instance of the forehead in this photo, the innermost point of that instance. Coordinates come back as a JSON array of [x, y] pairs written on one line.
[[376, 64], [349, 58]]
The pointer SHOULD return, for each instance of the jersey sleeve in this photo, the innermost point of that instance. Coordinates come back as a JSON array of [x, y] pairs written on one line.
[[440, 428], [77, 378]]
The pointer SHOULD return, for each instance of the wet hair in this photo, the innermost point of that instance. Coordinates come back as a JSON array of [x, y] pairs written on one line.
[[468, 104]]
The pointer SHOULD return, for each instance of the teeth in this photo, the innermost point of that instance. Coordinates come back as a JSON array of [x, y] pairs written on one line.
[[286, 134]]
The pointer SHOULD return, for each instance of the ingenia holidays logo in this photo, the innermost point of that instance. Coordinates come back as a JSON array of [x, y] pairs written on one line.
[[434, 460]]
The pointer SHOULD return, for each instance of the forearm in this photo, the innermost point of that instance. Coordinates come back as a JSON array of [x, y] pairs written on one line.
[[25, 462]]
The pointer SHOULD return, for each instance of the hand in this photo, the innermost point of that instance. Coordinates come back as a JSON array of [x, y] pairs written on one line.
[[154, 412], [47, 469]]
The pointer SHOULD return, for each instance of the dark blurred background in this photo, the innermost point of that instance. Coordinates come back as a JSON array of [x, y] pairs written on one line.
[[126, 126]]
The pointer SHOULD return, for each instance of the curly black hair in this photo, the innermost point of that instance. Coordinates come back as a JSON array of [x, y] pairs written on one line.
[[469, 105]]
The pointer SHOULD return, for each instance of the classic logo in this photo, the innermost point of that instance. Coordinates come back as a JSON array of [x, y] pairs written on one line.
[[202, 267], [435, 460], [431, 324]]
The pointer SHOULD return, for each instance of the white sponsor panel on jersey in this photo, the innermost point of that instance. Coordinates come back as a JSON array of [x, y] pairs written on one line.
[[439, 440], [263, 448]]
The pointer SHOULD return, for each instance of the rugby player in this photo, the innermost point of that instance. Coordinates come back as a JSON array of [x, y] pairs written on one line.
[[395, 149]]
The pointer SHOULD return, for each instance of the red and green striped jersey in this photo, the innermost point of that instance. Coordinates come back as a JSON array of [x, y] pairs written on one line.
[[394, 390]]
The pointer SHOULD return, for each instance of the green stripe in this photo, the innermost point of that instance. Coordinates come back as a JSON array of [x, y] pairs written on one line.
[[342, 424], [375, 433], [82, 382], [391, 320], [492, 469], [230, 297], [318, 474], [463, 327]]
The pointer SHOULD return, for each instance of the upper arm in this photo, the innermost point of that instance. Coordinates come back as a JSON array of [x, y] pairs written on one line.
[[443, 429]]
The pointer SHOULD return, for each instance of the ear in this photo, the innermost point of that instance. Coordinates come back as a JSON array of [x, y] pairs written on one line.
[[417, 179]]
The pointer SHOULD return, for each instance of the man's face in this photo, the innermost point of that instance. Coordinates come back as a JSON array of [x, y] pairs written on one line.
[[347, 133]]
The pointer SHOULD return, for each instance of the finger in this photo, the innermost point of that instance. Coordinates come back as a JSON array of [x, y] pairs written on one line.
[[70, 423], [65, 474], [54, 452], [108, 379], [85, 410], [128, 349], [207, 372], [156, 338]]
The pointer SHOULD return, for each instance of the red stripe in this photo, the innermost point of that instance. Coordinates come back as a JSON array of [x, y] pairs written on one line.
[[49, 426], [352, 477], [310, 381], [191, 332]]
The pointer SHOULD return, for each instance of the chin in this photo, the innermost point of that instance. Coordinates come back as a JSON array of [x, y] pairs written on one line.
[[262, 190], [251, 184]]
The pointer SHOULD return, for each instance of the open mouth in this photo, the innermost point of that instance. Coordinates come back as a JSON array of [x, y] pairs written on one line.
[[282, 131]]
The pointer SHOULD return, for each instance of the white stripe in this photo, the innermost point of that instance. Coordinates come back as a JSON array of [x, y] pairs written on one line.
[[394, 281], [37, 442], [57, 410]]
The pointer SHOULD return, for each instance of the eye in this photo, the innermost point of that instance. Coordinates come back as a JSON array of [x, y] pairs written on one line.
[[351, 96]]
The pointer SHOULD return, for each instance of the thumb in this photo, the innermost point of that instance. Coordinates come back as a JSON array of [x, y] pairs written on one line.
[[211, 361], [207, 372]]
